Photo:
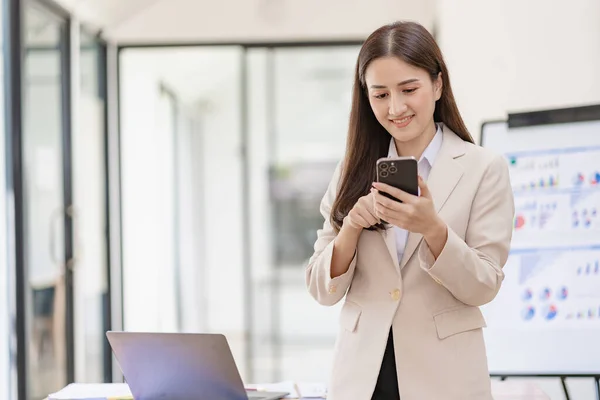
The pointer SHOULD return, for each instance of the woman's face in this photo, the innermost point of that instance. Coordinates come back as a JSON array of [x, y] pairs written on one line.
[[402, 97]]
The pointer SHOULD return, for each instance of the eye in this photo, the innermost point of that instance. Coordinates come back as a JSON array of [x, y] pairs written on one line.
[[380, 96], [409, 91]]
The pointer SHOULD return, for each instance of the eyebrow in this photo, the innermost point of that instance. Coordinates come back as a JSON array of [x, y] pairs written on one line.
[[400, 84]]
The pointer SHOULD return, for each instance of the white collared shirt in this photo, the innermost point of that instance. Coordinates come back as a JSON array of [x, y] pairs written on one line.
[[424, 167]]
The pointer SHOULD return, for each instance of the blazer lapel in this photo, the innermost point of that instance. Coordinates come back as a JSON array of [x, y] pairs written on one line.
[[443, 178]]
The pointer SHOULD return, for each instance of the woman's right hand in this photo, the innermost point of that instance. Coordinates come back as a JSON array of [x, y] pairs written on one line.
[[362, 214]]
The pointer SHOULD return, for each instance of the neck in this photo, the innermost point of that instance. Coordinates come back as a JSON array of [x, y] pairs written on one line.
[[417, 146]]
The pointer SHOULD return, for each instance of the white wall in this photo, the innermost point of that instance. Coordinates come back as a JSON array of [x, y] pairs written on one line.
[[520, 56]]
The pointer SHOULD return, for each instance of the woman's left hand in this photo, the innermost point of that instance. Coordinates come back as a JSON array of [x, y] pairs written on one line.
[[415, 213]]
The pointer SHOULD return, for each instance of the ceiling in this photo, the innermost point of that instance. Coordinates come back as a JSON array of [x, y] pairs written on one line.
[[105, 13], [170, 21], [196, 73]]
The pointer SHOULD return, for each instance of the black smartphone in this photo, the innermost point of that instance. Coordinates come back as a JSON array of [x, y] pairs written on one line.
[[400, 172]]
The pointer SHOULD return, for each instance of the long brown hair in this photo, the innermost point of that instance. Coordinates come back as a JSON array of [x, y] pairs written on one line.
[[367, 139]]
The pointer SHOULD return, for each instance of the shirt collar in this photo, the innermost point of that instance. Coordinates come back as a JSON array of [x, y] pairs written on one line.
[[431, 151]]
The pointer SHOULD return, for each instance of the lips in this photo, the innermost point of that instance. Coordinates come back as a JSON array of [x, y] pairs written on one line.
[[402, 122]]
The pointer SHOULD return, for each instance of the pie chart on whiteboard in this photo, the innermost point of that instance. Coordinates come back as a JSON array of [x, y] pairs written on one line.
[[563, 293], [550, 312], [519, 222], [528, 313]]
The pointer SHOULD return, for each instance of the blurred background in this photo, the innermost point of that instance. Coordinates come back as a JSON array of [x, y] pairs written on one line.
[[163, 163]]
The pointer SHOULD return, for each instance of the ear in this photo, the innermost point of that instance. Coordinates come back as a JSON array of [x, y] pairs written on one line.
[[438, 86]]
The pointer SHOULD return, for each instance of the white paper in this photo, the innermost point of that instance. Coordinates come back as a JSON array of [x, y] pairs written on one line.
[[89, 391], [302, 390], [287, 386], [310, 390]]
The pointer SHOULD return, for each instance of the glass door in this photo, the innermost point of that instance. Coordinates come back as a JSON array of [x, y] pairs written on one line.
[[5, 286], [46, 200], [90, 224]]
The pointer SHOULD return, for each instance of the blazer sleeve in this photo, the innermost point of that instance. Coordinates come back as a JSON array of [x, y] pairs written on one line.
[[471, 269], [322, 287]]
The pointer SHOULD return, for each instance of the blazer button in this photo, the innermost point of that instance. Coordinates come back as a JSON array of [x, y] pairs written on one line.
[[332, 289], [395, 294]]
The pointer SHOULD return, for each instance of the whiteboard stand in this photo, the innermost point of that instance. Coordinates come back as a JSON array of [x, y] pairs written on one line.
[[564, 385]]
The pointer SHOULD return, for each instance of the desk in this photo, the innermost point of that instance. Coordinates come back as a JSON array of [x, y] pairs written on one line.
[[501, 390], [517, 390], [514, 390]]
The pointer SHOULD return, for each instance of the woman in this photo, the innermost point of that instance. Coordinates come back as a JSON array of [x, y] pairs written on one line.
[[410, 326]]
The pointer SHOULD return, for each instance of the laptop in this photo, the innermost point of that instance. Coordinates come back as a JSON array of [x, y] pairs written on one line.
[[181, 366]]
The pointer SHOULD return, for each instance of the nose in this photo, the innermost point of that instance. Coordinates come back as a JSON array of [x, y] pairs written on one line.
[[397, 106]]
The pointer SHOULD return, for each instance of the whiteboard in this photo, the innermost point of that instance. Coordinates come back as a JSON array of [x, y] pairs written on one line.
[[546, 317]]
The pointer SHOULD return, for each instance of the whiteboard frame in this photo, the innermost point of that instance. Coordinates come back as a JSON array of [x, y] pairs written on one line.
[[548, 117]]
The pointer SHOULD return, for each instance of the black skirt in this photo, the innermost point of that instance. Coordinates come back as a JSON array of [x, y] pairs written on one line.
[[387, 381]]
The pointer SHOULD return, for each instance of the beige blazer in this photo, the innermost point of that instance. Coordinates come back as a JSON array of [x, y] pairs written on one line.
[[432, 304]]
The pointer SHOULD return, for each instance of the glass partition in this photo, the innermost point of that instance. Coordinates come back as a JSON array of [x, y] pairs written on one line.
[[182, 200], [44, 199], [91, 299], [298, 102], [258, 134], [5, 289]]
